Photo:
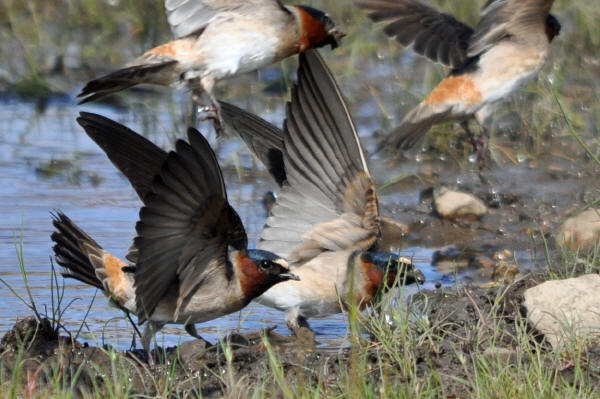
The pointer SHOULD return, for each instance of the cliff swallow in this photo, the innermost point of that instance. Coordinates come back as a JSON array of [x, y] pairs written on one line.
[[325, 220], [505, 51], [217, 39], [189, 262]]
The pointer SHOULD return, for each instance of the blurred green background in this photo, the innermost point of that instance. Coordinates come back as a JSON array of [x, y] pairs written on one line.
[[50, 48]]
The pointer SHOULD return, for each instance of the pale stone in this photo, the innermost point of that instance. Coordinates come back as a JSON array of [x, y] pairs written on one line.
[[565, 310], [581, 231], [456, 205]]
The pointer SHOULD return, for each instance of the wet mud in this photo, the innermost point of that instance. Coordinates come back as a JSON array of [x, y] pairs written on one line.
[[467, 322]]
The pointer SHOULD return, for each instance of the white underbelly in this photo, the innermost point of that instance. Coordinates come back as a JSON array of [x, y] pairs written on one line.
[[506, 68], [500, 91], [318, 291], [226, 52]]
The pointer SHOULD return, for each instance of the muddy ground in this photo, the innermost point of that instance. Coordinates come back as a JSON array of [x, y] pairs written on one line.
[[466, 321]]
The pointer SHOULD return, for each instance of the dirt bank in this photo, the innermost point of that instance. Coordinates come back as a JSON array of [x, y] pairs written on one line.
[[467, 327]]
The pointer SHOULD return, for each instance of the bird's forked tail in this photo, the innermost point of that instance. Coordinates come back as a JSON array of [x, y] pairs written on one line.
[[84, 260]]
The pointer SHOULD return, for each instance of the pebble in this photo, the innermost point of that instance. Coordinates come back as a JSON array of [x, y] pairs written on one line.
[[458, 205], [581, 231], [565, 309]]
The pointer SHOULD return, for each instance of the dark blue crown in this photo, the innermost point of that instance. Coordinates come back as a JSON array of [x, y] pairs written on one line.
[[258, 255]]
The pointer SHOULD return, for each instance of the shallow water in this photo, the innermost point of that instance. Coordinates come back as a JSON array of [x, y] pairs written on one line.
[[100, 200], [532, 195]]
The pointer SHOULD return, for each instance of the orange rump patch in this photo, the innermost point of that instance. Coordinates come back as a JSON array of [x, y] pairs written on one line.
[[454, 89], [173, 48], [117, 283]]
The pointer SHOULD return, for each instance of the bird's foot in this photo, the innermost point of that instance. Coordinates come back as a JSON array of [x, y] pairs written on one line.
[[212, 113], [191, 329], [480, 144]]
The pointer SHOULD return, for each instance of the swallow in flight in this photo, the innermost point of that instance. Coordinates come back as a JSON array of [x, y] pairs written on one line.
[[218, 39], [505, 51]]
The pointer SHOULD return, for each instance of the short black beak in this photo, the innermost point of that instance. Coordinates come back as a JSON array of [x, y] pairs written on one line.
[[336, 34], [416, 275], [289, 276]]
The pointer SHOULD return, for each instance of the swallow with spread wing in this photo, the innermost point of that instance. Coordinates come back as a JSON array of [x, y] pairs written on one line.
[[325, 220], [505, 51], [189, 262], [217, 39]]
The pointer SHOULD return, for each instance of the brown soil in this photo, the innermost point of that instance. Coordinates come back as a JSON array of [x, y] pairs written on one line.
[[467, 320]]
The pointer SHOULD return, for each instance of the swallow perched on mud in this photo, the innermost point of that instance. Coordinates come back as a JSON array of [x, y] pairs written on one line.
[[217, 39], [189, 262], [325, 220], [505, 51]]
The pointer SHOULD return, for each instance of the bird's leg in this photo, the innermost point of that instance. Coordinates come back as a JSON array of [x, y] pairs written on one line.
[[211, 109], [196, 98], [479, 143], [152, 327], [215, 115], [191, 329], [298, 325], [136, 330]]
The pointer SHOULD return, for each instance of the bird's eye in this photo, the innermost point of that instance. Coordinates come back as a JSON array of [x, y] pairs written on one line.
[[265, 265]]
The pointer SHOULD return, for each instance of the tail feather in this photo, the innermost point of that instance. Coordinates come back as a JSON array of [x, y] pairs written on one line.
[[125, 78], [84, 260], [70, 242], [413, 127]]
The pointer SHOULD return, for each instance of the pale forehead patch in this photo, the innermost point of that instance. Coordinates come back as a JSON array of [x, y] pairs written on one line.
[[283, 263]]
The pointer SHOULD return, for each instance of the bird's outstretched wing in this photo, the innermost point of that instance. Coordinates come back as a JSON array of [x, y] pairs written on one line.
[[191, 16], [185, 226], [136, 157], [508, 18], [431, 33], [328, 201], [264, 139]]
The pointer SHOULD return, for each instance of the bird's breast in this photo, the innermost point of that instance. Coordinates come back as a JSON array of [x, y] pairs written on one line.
[[317, 293], [242, 44], [507, 67]]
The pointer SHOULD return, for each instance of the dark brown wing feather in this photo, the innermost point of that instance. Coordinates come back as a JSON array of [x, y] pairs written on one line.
[[433, 34], [324, 164], [124, 78], [264, 139], [137, 158], [185, 226], [502, 19]]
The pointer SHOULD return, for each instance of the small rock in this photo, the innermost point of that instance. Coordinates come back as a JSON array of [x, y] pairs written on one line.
[[456, 205], [581, 231], [192, 351], [563, 309]]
